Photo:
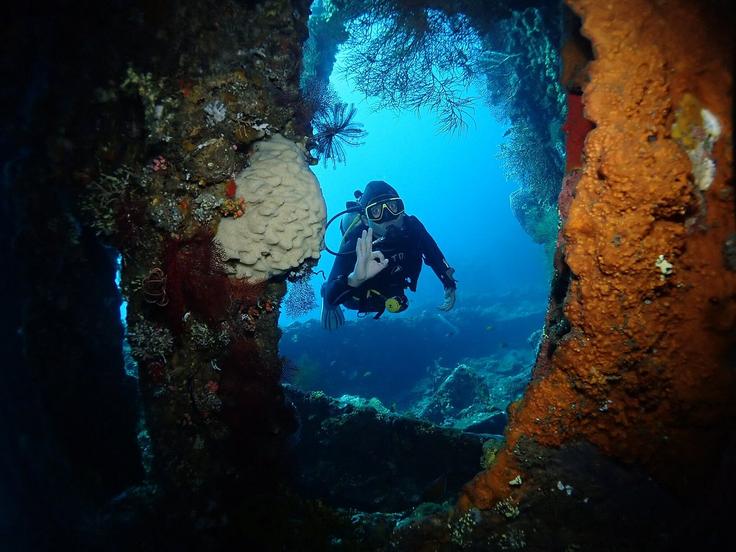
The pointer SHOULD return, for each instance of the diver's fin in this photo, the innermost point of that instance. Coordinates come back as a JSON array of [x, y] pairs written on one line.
[[332, 316]]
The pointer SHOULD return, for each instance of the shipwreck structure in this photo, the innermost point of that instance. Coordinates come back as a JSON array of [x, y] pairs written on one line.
[[170, 142]]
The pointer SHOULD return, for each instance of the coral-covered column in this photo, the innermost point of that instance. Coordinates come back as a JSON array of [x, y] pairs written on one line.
[[644, 369]]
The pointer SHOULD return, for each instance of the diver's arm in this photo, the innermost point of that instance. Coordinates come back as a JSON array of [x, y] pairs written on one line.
[[433, 257]]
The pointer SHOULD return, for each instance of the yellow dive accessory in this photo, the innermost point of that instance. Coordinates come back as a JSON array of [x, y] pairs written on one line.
[[397, 303]]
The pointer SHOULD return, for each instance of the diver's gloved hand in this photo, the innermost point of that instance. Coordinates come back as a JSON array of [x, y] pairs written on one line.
[[449, 301], [332, 316], [369, 262]]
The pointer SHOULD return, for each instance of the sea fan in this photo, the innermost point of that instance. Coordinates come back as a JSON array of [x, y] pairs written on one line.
[[334, 130], [403, 56], [300, 300]]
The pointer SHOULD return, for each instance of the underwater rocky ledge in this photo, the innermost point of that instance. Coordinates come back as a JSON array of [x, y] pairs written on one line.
[[127, 122]]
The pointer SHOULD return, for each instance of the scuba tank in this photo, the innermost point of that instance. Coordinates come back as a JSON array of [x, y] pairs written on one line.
[[352, 213]]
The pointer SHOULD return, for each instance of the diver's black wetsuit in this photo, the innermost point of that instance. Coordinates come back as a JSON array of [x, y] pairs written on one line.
[[404, 250]]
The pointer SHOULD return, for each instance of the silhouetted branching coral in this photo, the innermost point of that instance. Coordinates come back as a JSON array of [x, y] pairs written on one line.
[[426, 54], [454, 112], [414, 57], [334, 130]]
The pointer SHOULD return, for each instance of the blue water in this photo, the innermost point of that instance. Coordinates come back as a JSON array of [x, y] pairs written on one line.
[[454, 183]]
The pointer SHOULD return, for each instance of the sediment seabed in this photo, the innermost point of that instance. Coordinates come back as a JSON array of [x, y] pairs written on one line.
[[403, 361]]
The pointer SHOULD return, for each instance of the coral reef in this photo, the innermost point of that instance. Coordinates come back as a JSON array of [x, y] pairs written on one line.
[[474, 395], [642, 369]]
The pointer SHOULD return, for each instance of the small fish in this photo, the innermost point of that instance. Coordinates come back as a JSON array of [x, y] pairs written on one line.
[[367, 374], [489, 328]]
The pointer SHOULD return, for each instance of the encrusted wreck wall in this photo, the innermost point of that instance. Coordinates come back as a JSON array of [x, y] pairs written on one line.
[[640, 344], [132, 124], [206, 342]]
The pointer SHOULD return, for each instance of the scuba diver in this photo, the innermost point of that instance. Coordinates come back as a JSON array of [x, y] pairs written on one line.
[[371, 276]]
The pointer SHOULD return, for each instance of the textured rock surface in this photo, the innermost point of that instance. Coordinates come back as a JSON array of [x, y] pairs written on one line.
[[362, 456], [283, 224], [643, 368]]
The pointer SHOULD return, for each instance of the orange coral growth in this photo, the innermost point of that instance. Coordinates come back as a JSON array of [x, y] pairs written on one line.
[[233, 207], [641, 369], [490, 486], [184, 206], [567, 192], [185, 87]]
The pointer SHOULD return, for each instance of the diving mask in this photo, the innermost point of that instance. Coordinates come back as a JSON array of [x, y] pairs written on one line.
[[376, 211]]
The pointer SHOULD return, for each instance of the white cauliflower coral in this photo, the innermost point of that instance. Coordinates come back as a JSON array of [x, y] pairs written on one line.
[[284, 220]]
